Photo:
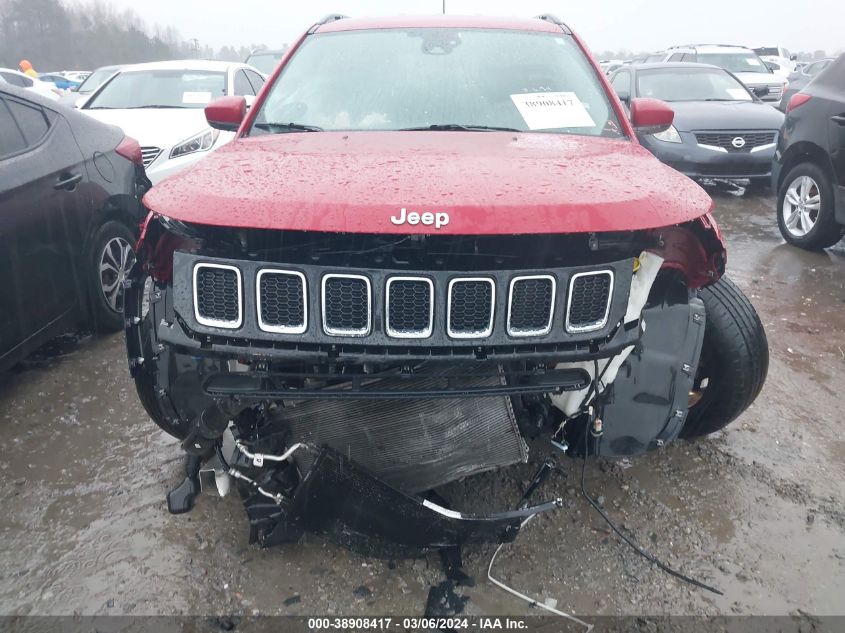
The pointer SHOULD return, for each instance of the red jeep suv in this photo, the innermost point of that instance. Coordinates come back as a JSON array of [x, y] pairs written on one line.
[[432, 239]]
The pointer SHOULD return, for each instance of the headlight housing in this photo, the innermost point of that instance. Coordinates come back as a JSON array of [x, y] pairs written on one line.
[[202, 142], [669, 136]]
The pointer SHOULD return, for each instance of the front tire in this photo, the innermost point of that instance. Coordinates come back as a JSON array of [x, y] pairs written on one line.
[[109, 261], [805, 208], [734, 360]]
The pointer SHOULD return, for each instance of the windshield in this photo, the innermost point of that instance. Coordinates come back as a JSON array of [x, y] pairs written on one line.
[[265, 62], [688, 84], [160, 89], [734, 62], [93, 81], [395, 79]]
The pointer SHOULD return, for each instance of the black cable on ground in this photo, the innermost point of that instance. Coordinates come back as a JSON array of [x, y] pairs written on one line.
[[647, 555]]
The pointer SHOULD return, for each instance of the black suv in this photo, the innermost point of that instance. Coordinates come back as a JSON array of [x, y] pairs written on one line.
[[809, 166]]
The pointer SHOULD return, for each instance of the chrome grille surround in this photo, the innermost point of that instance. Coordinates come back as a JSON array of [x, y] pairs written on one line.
[[425, 333], [232, 324], [516, 332], [465, 334], [598, 324], [282, 329], [342, 331]]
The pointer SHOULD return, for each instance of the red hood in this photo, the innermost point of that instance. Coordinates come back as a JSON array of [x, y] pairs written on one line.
[[488, 183]]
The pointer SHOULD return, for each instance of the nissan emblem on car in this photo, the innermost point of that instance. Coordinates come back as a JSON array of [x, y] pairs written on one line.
[[427, 218], [738, 142]]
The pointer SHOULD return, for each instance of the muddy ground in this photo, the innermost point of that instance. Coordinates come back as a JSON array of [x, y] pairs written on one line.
[[757, 510]]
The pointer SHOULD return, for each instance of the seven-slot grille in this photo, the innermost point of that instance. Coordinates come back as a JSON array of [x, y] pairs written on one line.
[[724, 140], [149, 154], [409, 309], [470, 307], [218, 299], [282, 301], [588, 303], [531, 303], [347, 305]]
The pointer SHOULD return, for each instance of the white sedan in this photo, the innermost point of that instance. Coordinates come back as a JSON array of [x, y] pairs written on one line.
[[15, 78], [162, 105]]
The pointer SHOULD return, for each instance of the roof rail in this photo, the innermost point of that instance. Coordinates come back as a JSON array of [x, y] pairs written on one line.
[[707, 44], [549, 17], [331, 17]]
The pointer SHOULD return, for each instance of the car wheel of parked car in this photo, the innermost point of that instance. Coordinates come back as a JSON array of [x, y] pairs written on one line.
[[110, 259], [734, 360], [805, 208]]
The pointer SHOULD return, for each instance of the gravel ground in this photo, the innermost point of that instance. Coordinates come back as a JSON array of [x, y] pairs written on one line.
[[756, 510]]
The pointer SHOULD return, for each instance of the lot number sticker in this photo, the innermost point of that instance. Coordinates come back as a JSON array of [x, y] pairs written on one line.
[[196, 97], [549, 110]]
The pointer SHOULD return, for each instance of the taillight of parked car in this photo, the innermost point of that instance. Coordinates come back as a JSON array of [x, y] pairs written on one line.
[[131, 150], [798, 99]]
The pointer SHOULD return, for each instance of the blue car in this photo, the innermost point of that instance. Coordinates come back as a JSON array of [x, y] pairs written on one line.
[[62, 83]]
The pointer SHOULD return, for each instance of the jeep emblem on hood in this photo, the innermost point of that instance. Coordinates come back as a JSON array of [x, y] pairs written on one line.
[[427, 218]]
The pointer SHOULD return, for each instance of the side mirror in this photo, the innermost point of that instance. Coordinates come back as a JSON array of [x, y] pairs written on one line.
[[761, 91], [793, 58], [651, 116], [226, 113], [249, 99]]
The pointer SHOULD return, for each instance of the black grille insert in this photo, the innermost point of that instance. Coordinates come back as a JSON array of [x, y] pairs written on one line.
[[589, 301], [470, 308], [725, 140], [346, 305], [282, 301], [409, 307], [217, 295], [530, 305]]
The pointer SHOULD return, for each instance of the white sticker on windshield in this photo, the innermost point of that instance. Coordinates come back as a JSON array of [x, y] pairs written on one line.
[[753, 62], [550, 110], [196, 97], [739, 94]]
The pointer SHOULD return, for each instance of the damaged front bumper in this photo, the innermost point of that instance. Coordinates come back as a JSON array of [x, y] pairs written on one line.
[[383, 420]]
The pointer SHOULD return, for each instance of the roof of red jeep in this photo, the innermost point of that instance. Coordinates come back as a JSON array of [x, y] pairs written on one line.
[[440, 21]]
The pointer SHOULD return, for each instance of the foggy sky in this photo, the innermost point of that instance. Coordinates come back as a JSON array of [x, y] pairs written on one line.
[[605, 24]]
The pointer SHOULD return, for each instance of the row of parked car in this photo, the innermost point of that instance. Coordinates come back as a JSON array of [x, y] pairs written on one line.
[[71, 178], [770, 72]]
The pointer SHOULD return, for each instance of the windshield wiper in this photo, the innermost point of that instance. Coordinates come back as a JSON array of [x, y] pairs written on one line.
[[719, 99], [155, 105], [457, 127], [281, 128]]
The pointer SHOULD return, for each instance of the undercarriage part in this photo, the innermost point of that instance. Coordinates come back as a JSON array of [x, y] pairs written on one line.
[[647, 405], [181, 499], [205, 432], [412, 444], [449, 382], [336, 496]]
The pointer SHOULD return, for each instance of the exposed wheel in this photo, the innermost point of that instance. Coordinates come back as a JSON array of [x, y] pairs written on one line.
[[734, 360], [805, 208], [110, 260]]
